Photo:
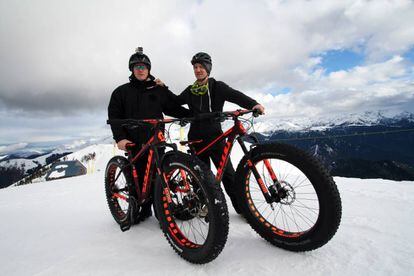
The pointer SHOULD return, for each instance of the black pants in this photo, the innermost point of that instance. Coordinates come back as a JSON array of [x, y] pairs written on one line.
[[215, 154]]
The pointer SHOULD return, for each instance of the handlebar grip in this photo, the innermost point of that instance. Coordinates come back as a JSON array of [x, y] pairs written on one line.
[[116, 121], [125, 122]]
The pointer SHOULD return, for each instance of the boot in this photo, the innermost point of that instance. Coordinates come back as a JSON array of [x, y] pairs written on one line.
[[145, 212], [235, 204]]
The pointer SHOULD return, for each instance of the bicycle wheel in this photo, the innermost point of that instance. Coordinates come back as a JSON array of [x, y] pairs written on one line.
[[193, 213], [117, 191], [307, 211]]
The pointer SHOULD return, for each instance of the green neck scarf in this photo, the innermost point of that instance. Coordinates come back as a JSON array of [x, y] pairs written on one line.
[[199, 89]]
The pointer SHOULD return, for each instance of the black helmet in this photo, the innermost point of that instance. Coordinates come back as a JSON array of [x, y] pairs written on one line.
[[139, 57], [201, 58], [204, 59]]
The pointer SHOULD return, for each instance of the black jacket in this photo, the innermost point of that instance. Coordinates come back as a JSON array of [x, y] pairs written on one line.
[[213, 101], [141, 100]]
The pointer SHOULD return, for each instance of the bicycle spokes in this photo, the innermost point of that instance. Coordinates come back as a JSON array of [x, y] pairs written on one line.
[[296, 209], [187, 213], [119, 189]]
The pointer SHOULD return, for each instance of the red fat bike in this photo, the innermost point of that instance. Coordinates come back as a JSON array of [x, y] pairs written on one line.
[[190, 208], [285, 194]]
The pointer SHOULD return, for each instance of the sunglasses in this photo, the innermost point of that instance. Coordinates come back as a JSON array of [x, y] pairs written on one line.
[[140, 67]]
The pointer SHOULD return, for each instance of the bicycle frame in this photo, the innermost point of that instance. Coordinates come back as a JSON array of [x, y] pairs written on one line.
[[153, 160], [236, 132]]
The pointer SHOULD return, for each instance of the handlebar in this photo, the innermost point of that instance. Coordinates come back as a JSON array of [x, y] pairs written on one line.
[[183, 121], [135, 122], [226, 114]]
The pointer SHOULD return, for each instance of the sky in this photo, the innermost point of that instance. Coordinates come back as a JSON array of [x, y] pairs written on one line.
[[61, 60]]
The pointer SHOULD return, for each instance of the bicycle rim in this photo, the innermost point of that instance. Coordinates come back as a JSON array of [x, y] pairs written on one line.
[[187, 215], [119, 191], [297, 213]]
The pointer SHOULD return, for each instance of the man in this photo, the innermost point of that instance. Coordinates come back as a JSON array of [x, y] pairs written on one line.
[[208, 95], [141, 98]]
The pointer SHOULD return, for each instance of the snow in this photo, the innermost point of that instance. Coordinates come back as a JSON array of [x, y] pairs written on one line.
[[322, 123], [24, 150], [27, 163], [64, 227], [262, 125]]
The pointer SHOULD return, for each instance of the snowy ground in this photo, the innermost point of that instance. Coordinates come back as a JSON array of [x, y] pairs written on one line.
[[64, 227]]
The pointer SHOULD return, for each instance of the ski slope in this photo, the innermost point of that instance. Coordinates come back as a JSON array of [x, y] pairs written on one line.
[[64, 227]]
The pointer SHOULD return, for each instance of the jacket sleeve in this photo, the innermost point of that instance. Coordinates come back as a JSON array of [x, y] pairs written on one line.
[[115, 111], [172, 105], [235, 96], [182, 98]]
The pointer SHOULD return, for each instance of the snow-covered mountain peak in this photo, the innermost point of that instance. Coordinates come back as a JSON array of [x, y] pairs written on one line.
[[321, 123]]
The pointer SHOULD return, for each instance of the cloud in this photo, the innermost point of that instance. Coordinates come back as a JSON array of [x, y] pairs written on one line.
[[66, 100], [382, 85], [29, 128], [13, 147], [65, 58]]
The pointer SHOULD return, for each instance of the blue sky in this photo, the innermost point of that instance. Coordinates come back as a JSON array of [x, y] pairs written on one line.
[[409, 55], [336, 60], [344, 59]]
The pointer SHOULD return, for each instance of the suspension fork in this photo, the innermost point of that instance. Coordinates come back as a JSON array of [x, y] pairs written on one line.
[[265, 191], [162, 175]]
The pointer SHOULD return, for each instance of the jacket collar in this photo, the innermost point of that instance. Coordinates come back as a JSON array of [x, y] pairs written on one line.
[[148, 83]]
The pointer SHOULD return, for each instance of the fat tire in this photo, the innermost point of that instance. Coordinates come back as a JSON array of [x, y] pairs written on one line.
[[330, 209], [217, 210], [120, 216]]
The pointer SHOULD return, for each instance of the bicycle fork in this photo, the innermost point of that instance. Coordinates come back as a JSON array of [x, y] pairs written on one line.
[[274, 192], [164, 180]]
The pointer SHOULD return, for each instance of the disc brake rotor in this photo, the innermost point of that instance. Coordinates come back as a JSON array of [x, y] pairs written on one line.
[[288, 193]]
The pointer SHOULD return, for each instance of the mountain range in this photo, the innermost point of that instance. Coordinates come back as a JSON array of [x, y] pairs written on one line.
[[366, 145]]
